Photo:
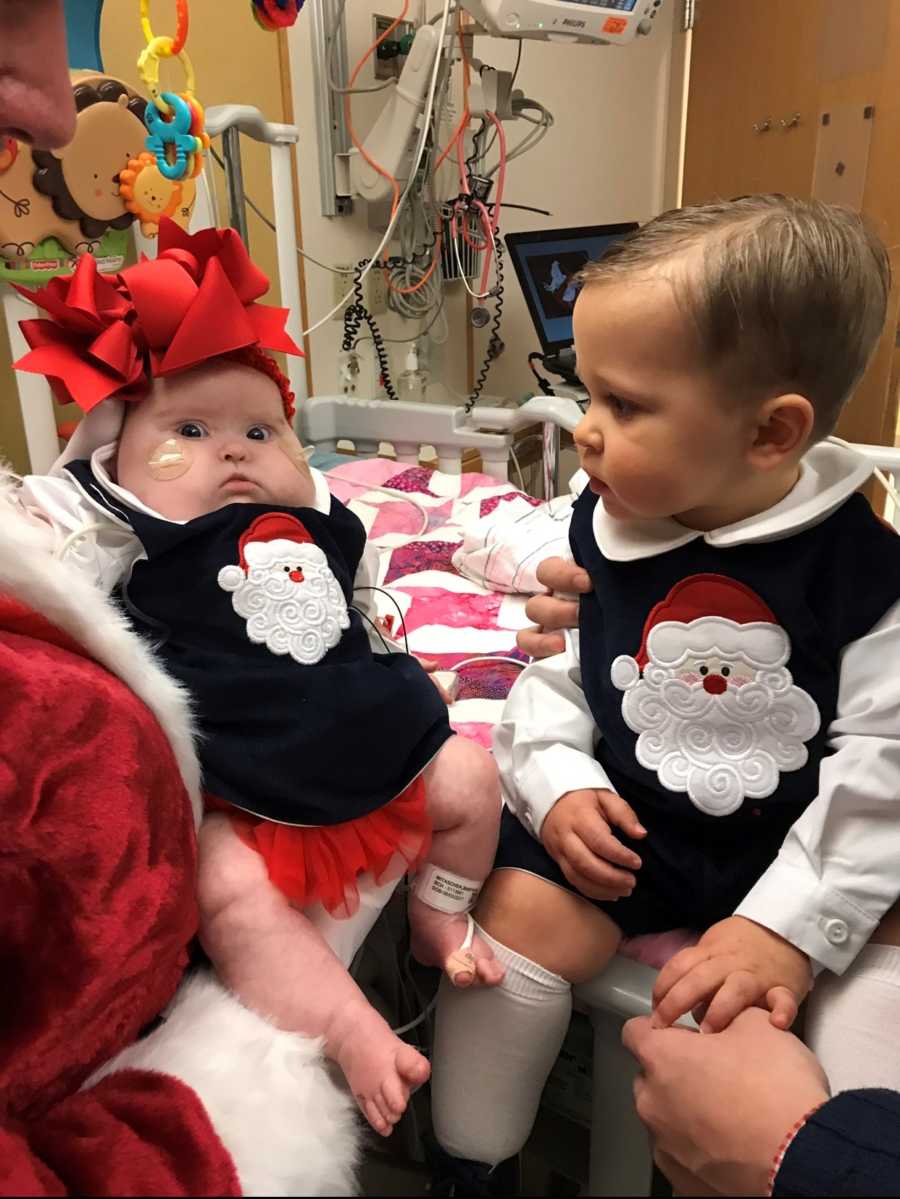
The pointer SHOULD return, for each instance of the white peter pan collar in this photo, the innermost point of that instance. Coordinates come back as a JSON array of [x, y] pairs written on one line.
[[829, 474], [102, 457]]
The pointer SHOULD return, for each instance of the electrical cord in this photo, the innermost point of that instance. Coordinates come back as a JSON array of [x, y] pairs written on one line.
[[330, 44], [488, 658], [495, 345], [417, 160], [271, 224], [394, 601], [354, 316], [543, 383]]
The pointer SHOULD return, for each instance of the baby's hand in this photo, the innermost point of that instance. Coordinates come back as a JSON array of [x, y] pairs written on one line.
[[576, 833], [736, 964]]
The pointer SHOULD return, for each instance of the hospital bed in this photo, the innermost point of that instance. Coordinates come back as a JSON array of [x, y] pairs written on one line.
[[470, 629]]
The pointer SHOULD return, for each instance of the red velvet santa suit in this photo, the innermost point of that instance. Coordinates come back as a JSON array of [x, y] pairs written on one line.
[[98, 804]]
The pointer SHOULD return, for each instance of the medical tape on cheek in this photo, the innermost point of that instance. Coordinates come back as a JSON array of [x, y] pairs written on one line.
[[444, 890], [291, 447], [170, 460]]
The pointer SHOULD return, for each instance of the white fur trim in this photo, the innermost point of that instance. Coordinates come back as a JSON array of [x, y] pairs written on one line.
[[63, 596], [290, 1128], [763, 644]]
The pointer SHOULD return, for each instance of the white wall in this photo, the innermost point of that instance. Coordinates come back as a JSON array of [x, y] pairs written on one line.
[[603, 161]]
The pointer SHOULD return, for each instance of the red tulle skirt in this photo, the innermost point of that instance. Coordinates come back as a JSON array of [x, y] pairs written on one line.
[[322, 864]]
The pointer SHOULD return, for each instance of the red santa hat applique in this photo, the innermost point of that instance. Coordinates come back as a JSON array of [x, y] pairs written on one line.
[[706, 615], [270, 527]]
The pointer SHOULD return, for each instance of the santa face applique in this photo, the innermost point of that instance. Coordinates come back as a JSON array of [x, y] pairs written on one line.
[[285, 590], [710, 696]]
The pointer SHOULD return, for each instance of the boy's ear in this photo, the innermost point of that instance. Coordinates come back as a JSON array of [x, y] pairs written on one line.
[[784, 425]]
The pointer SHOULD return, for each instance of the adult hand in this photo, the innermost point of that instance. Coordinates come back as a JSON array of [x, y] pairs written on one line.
[[720, 1106], [736, 964], [553, 612], [576, 833]]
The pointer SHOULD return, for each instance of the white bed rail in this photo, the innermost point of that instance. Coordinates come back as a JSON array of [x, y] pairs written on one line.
[[408, 427]]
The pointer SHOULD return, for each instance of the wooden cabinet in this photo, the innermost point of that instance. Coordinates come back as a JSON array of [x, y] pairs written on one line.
[[753, 98], [763, 74]]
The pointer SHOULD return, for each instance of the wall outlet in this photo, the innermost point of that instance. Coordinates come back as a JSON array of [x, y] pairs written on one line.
[[375, 290], [390, 57], [348, 372], [342, 283]]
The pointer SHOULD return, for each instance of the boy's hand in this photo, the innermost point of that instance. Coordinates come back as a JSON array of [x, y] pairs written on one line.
[[576, 833], [736, 964]]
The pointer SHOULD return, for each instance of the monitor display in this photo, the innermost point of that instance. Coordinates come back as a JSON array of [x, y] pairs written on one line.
[[547, 265]]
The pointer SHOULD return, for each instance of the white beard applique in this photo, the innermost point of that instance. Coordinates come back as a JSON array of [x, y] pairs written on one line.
[[289, 597], [716, 710]]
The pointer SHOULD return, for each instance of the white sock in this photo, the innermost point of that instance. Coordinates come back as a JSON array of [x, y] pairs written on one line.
[[493, 1050], [853, 1021]]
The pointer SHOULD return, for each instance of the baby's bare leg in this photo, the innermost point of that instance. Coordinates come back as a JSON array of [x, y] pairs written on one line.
[[276, 962], [464, 804]]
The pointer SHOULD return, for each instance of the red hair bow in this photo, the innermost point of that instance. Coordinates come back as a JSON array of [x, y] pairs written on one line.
[[195, 301]]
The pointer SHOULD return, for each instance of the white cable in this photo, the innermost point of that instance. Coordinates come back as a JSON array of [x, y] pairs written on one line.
[[78, 535], [395, 494], [423, 1015], [414, 170], [487, 658], [476, 295], [515, 458]]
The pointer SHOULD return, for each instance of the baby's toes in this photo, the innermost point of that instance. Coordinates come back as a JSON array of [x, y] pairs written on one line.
[[394, 1098], [373, 1114], [412, 1067]]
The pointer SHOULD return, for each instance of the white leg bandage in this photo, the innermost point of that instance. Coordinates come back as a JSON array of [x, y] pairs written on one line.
[[442, 889], [493, 1050]]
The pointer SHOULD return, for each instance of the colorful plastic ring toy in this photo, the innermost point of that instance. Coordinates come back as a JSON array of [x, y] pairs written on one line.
[[182, 19], [174, 132]]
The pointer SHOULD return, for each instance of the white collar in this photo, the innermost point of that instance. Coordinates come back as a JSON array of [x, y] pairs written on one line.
[[105, 455], [829, 474]]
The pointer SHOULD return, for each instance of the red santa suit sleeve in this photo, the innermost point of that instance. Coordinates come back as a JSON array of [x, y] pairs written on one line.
[[99, 797]]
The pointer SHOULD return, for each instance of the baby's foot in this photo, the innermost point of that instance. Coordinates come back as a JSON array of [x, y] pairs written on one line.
[[381, 1070], [448, 940]]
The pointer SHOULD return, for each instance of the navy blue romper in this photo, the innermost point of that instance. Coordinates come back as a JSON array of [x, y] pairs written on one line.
[[712, 675]]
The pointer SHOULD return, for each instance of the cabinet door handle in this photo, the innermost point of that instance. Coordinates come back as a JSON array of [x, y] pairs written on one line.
[[791, 122], [763, 126]]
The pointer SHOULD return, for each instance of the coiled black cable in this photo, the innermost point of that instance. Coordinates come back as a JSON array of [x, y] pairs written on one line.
[[495, 345], [355, 315]]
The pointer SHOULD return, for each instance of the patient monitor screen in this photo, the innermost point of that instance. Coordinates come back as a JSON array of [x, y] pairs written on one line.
[[547, 265]]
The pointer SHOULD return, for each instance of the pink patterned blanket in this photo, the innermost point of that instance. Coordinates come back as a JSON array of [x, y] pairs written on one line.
[[448, 618]]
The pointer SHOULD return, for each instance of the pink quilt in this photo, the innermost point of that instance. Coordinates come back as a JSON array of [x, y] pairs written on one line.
[[447, 617]]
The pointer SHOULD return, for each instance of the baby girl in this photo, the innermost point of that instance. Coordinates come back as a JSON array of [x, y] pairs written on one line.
[[330, 769]]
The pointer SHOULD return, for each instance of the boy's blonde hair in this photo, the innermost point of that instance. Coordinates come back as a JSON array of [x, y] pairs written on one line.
[[786, 294]]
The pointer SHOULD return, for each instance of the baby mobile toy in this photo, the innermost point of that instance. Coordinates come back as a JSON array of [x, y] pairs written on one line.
[[160, 181]]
